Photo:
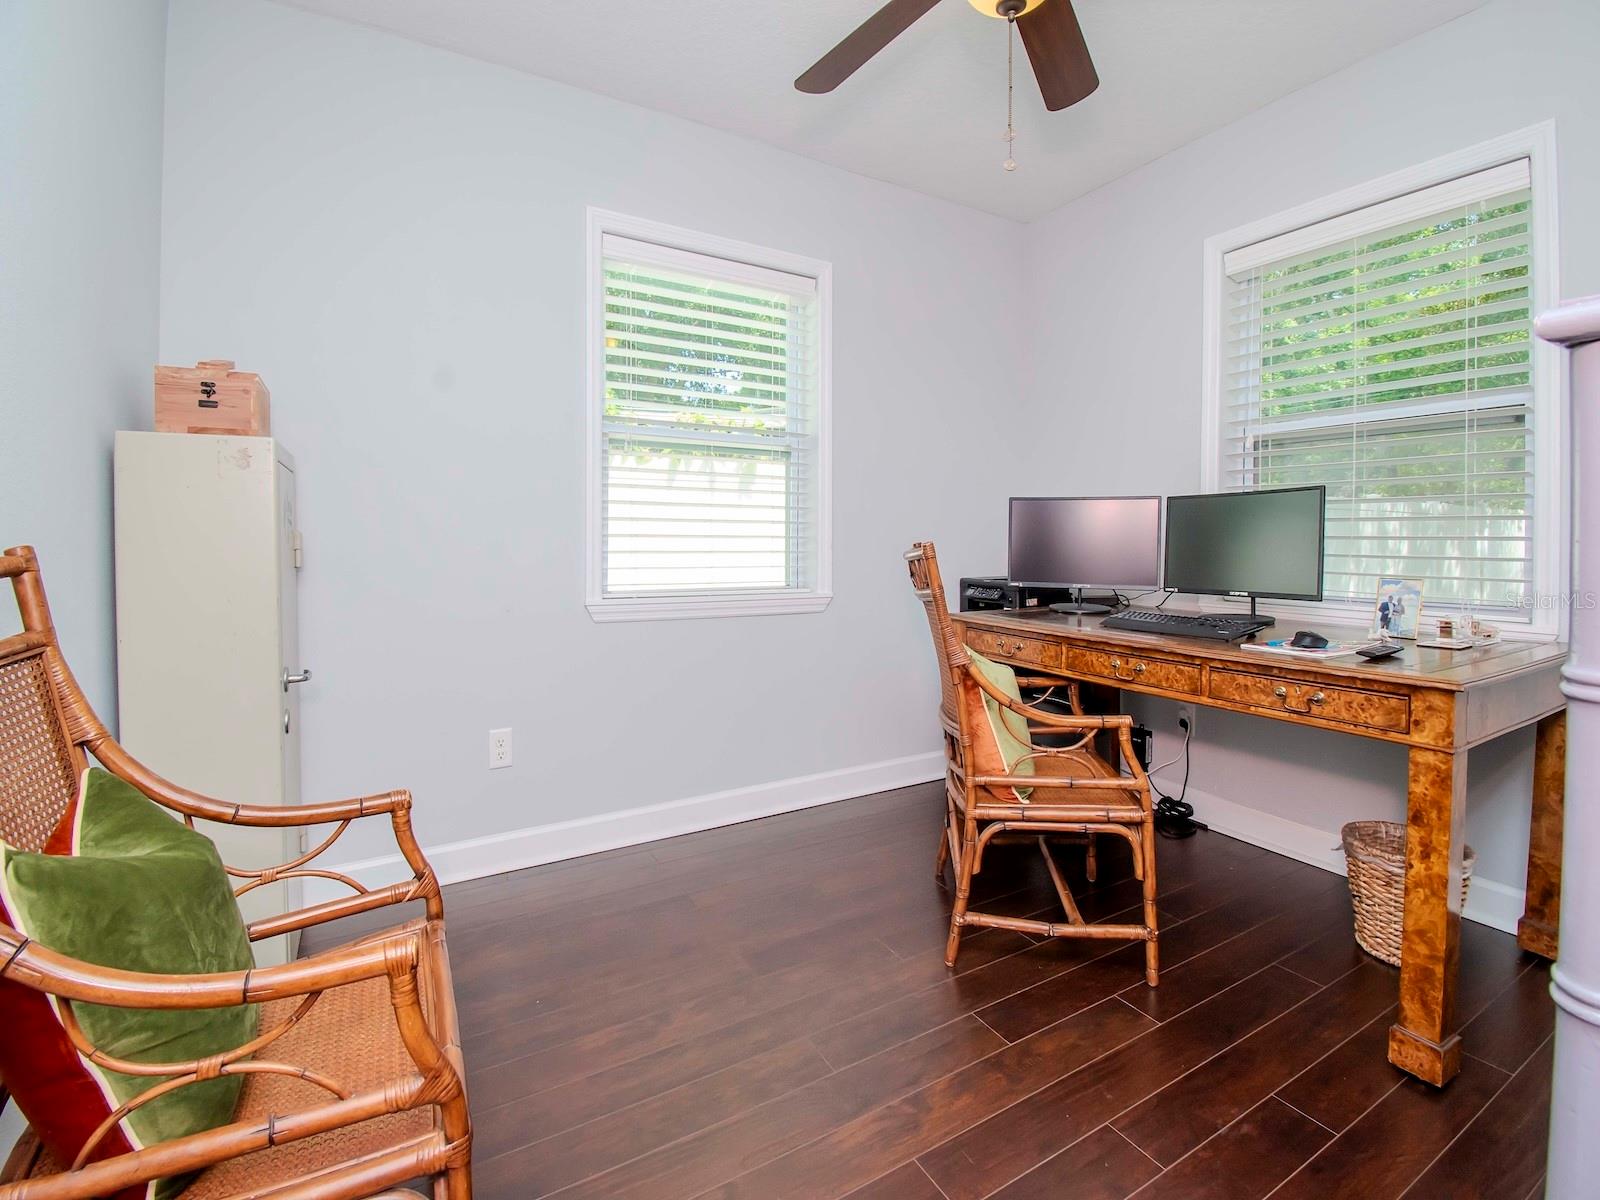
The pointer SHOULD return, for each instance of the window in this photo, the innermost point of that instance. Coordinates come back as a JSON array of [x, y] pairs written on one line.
[[1388, 353], [708, 420]]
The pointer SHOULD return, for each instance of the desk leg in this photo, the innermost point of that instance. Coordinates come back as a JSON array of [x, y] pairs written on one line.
[[1536, 932], [1425, 1041]]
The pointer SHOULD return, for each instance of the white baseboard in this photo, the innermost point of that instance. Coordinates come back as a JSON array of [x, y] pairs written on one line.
[[1496, 905], [530, 847]]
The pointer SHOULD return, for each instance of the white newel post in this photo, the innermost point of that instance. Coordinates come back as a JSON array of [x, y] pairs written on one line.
[[1575, 979]]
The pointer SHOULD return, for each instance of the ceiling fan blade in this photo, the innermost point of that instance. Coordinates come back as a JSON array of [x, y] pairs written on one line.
[[873, 34], [1059, 55]]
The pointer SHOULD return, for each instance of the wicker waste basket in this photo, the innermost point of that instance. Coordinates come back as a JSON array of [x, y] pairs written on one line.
[[1375, 860]]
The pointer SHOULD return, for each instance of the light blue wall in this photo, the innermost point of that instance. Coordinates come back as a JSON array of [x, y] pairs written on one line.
[[81, 89], [80, 226], [410, 224]]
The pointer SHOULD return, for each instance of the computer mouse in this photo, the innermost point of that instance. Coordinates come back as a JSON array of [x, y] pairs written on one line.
[[1306, 640]]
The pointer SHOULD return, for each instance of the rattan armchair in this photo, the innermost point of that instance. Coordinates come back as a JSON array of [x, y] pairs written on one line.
[[923, 562], [1071, 791], [354, 1084]]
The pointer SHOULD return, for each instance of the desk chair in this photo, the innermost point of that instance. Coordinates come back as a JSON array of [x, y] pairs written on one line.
[[1000, 782], [926, 581]]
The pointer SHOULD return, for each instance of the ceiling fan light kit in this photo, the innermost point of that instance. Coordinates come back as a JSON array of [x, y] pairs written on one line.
[[1005, 10], [1050, 34]]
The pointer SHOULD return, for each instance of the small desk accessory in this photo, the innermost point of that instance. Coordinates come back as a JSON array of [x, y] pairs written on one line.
[[1461, 635], [1397, 612]]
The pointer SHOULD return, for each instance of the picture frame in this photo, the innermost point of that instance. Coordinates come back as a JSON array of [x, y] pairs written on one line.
[[1397, 611]]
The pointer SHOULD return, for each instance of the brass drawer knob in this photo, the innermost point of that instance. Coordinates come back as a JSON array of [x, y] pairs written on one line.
[[1116, 670]]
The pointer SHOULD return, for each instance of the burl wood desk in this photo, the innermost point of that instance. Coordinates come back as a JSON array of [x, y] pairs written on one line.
[[1437, 703]]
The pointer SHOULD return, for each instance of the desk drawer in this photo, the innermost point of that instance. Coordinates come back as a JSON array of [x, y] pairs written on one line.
[[1344, 706], [1123, 667], [1012, 648]]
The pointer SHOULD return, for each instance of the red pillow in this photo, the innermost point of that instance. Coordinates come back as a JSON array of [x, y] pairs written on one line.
[[40, 1066]]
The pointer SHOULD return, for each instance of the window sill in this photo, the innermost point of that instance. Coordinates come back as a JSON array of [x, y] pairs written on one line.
[[688, 608]]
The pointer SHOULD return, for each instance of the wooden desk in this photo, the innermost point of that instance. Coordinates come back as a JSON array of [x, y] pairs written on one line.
[[1437, 703]]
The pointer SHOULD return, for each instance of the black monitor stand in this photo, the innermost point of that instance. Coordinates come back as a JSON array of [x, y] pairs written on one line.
[[1079, 605], [1258, 620]]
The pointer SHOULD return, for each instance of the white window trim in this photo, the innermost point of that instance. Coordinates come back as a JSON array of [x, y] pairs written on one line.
[[691, 605], [1552, 507]]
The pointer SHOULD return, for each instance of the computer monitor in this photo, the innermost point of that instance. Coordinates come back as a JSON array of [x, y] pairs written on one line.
[[1105, 542], [1267, 544]]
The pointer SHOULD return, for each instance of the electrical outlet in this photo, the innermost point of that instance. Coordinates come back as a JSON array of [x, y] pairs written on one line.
[[1186, 713], [499, 748]]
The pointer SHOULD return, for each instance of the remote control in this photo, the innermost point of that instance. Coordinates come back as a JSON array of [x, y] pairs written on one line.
[[1374, 653]]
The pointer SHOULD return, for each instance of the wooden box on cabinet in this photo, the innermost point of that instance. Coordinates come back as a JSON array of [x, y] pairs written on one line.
[[211, 397]]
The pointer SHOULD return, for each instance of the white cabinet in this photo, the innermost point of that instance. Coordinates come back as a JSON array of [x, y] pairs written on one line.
[[208, 659]]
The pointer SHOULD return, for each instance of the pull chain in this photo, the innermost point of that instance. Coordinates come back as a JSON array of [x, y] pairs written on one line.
[[1011, 54]]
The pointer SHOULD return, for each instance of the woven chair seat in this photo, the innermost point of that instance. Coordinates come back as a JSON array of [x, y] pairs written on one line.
[[349, 1036]]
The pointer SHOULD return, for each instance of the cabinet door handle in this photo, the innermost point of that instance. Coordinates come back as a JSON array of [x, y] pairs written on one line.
[[1116, 670], [302, 677]]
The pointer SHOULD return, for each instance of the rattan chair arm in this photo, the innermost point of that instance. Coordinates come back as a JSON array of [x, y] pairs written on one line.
[[192, 804], [1131, 761], [332, 910], [1051, 729], [396, 805], [1044, 716], [1056, 683], [43, 970]]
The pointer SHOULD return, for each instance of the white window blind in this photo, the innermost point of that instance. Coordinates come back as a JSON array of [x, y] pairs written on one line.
[[1387, 354], [709, 425]]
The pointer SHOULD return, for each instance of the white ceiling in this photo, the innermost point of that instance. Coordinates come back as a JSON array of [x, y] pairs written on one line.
[[928, 112]]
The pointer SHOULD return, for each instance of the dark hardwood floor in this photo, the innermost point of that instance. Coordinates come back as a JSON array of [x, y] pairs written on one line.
[[762, 1012]]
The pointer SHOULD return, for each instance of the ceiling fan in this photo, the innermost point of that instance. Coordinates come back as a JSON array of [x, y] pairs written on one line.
[[1049, 29]]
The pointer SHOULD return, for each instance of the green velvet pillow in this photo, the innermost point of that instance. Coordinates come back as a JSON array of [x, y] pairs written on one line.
[[1010, 729], [141, 892]]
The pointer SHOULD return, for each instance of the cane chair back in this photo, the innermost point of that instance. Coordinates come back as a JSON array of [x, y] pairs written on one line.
[[923, 564], [41, 749], [38, 775]]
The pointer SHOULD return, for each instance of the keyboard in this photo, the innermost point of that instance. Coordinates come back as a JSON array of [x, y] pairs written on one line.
[[1216, 628]]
